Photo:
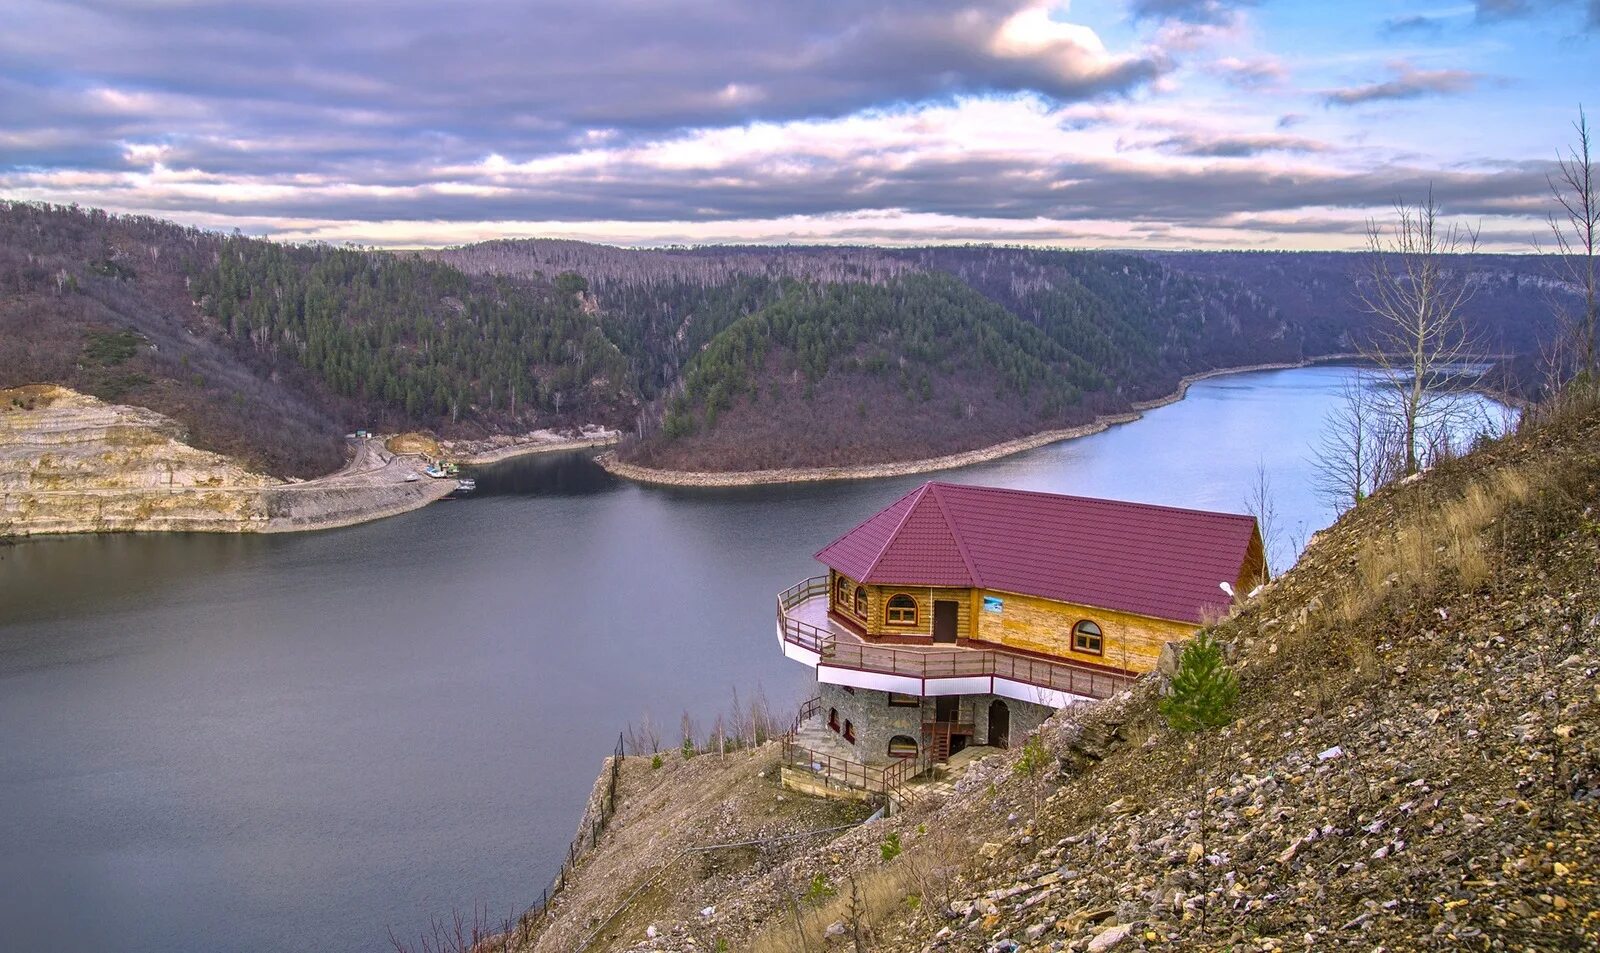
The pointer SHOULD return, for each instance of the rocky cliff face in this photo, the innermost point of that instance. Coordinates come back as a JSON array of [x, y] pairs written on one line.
[[70, 463]]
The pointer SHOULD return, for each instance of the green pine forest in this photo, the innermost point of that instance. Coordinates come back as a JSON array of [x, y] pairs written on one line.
[[415, 337]]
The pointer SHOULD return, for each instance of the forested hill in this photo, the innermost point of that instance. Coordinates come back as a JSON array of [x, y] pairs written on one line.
[[925, 364], [775, 357], [1510, 310], [846, 373], [713, 358], [1133, 324], [271, 352]]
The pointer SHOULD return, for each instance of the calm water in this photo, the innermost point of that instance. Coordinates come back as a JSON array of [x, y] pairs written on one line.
[[259, 744]]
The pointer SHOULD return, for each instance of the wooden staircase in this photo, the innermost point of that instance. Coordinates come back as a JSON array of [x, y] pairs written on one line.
[[936, 738]]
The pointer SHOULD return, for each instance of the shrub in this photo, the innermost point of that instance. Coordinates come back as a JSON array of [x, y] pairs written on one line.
[[819, 890], [890, 848]]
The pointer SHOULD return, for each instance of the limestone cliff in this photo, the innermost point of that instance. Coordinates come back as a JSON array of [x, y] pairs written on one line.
[[70, 463]]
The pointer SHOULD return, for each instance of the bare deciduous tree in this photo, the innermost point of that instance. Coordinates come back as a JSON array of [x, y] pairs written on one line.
[[1357, 452], [1576, 228], [1258, 502], [1416, 293], [645, 738]]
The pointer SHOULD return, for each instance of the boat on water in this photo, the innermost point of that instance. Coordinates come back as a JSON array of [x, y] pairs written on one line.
[[464, 486]]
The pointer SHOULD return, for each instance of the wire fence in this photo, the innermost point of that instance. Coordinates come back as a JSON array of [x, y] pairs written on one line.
[[593, 825]]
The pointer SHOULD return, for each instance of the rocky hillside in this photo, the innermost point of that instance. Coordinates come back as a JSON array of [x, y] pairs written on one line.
[[1414, 765], [71, 463]]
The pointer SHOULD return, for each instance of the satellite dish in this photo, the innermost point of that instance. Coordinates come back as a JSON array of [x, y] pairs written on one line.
[[1228, 588]]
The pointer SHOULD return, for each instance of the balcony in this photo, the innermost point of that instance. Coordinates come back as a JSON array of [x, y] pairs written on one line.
[[843, 657]]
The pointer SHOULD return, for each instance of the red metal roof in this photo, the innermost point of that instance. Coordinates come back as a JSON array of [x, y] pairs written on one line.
[[1133, 557]]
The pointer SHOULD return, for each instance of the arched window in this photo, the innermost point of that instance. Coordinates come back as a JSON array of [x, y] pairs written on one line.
[[833, 718], [849, 731], [901, 610], [902, 746], [861, 601], [841, 593], [1086, 637]]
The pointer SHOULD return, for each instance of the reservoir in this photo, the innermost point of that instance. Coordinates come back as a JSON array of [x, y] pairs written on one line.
[[300, 742]]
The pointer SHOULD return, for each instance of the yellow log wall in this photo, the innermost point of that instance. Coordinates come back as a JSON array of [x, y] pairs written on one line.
[[878, 597], [1041, 625]]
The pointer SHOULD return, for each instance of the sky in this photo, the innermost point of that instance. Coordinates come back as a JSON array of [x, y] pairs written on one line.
[[1094, 123]]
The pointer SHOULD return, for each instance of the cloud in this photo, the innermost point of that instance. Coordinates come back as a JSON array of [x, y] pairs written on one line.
[[1254, 73], [1236, 146], [1408, 83], [687, 120], [1493, 11], [452, 81], [1213, 12], [979, 160], [1413, 24]]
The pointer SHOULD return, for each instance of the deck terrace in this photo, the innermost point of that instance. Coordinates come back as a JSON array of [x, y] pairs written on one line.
[[809, 634]]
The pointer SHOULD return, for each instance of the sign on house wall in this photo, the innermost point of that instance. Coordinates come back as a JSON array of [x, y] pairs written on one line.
[[993, 604]]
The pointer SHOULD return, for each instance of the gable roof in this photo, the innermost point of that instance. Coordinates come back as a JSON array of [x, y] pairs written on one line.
[[1150, 560]]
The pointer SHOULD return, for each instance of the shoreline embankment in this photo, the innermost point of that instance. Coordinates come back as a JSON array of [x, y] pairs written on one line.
[[874, 471]]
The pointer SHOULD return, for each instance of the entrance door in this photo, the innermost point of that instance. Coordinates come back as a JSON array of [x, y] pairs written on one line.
[[999, 724], [946, 708], [944, 620]]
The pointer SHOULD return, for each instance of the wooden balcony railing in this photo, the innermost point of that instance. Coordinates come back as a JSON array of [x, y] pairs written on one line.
[[804, 634], [937, 663]]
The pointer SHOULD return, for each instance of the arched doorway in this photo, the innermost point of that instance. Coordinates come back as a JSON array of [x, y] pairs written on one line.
[[999, 724]]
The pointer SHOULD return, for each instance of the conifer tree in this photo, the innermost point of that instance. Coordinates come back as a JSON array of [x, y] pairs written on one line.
[[1203, 690], [1202, 697]]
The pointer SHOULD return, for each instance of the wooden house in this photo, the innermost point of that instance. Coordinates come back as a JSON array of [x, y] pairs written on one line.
[[986, 609]]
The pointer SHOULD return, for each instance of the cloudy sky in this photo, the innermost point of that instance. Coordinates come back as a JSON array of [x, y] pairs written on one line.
[[1108, 123]]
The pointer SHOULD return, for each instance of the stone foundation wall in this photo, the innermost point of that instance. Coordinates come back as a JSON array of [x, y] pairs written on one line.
[[876, 721]]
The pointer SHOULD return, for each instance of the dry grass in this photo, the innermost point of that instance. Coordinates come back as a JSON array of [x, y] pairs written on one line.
[[1451, 544], [918, 883]]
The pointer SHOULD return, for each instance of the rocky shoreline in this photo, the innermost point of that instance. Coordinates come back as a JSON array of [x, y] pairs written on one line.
[[873, 471], [540, 442]]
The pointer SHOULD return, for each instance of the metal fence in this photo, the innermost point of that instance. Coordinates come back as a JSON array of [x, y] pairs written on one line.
[[876, 779]]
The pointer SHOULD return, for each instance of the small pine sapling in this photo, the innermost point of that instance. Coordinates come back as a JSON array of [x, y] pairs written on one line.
[[890, 848], [1203, 690], [1202, 697]]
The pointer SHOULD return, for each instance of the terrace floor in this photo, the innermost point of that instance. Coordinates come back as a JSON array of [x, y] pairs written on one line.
[[806, 623]]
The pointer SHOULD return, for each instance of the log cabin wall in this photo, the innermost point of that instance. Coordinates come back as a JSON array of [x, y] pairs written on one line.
[[876, 622], [1029, 623], [1040, 625]]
